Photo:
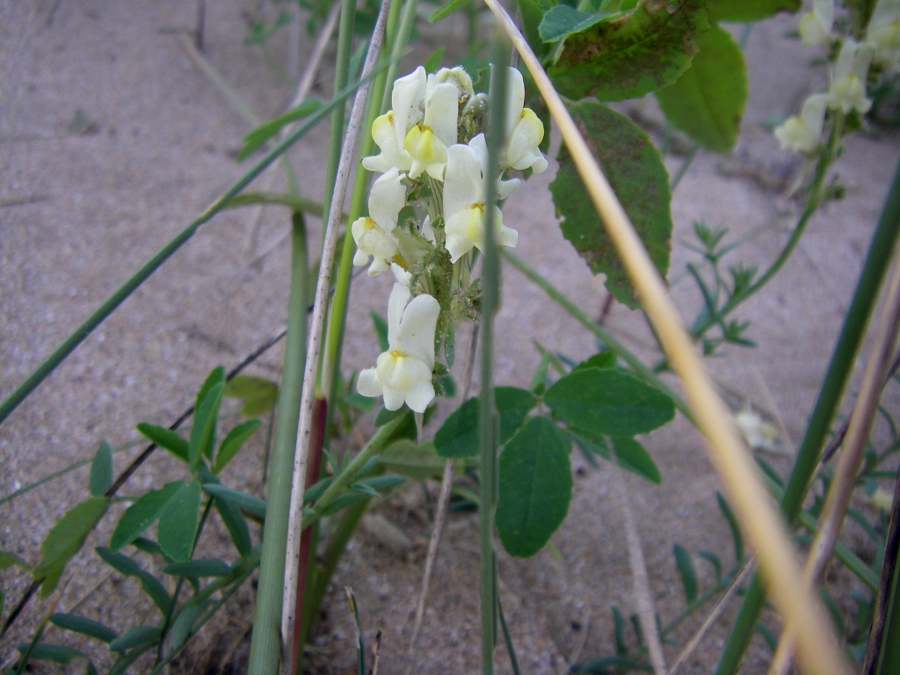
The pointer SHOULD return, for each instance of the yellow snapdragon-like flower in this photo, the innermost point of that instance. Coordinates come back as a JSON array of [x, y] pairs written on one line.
[[848, 83], [427, 142], [390, 129], [804, 133], [883, 33], [815, 26], [374, 235], [524, 131]]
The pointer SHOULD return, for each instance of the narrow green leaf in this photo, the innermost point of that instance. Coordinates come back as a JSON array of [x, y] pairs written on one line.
[[203, 433], [183, 623], [236, 525], [562, 20], [381, 330], [646, 50], [166, 439], [415, 461], [2, 601], [260, 394], [431, 65], [343, 501], [45, 651], [707, 101], [178, 522], [198, 568], [447, 10], [256, 138], [242, 500], [129, 568], [632, 456], [636, 172], [380, 483], [535, 487], [687, 572], [234, 441], [8, 559], [142, 514], [101, 470], [749, 10], [609, 402], [317, 490], [65, 539], [78, 624], [458, 436], [713, 560], [135, 637], [735, 529]]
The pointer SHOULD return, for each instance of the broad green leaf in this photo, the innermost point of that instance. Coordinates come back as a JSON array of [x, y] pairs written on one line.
[[447, 10], [458, 436], [178, 522], [78, 624], [609, 402], [142, 514], [45, 651], [242, 500], [260, 394], [635, 171], [129, 568], [562, 20], [264, 132], [532, 14], [707, 101], [101, 470], [203, 433], [136, 636], [415, 461], [641, 52], [65, 539], [166, 439], [687, 572], [198, 568], [183, 623], [234, 441], [535, 487], [8, 559], [599, 360], [749, 10]]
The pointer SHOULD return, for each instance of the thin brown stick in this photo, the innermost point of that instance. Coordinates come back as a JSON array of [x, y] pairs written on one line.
[[764, 528], [841, 489], [314, 344], [443, 503]]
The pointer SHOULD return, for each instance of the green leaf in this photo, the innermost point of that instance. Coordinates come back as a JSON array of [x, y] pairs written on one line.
[[383, 416], [234, 441], [447, 10], [708, 100], [535, 487], [264, 132], [562, 20], [136, 636], [687, 572], [636, 172], [458, 436], [142, 514], [78, 624], [381, 330], [203, 433], [343, 501], [413, 460], [198, 568], [178, 522], [45, 651], [735, 528], [599, 360], [431, 65], [129, 568], [8, 559], [379, 484], [183, 623], [242, 500], [639, 53], [65, 539], [632, 456], [532, 14], [749, 10], [610, 402], [260, 394], [101, 470], [166, 439]]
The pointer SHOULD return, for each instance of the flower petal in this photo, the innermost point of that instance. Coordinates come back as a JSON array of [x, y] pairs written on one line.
[[417, 327], [418, 397], [441, 112], [396, 303], [463, 181], [368, 383], [387, 197]]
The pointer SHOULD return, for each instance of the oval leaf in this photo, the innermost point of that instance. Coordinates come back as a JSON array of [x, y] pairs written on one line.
[[242, 500], [609, 402], [166, 439], [142, 514], [234, 441], [178, 522], [136, 636], [183, 623], [639, 53], [203, 433], [458, 436], [707, 102], [198, 568], [101, 470], [78, 624], [561, 20], [535, 487], [635, 171], [632, 456], [129, 568]]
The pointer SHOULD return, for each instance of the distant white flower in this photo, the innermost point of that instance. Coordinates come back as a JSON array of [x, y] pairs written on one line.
[[883, 33], [848, 83], [759, 434], [815, 26], [464, 206], [524, 131], [804, 133], [427, 142], [403, 373], [389, 130], [374, 235]]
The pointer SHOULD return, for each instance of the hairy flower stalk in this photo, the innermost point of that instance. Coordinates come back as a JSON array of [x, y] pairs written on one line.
[[427, 214]]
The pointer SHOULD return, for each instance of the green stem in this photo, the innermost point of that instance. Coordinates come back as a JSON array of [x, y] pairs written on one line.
[[265, 647], [118, 297], [614, 345], [839, 370], [685, 165], [407, 21]]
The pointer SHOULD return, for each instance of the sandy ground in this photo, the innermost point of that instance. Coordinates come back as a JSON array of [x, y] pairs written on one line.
[[112, 140]]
